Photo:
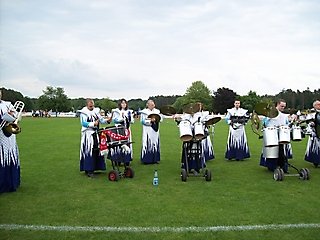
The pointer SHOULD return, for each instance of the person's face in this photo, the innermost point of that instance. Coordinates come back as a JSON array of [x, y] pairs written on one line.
[[316, 106], [90, 105], [281, 106], [237, 104], [150, 104], [123, 105]]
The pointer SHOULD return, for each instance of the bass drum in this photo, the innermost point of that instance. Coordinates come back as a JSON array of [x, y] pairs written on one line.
[[185, 131]]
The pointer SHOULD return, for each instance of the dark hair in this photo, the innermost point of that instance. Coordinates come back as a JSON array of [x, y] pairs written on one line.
[[280, 100], [123, 100]]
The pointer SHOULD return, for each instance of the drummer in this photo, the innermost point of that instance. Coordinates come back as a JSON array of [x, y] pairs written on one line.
[[198, 115], [313, 147], [122, 116], [237, 146], [150, 152], [285, 151]]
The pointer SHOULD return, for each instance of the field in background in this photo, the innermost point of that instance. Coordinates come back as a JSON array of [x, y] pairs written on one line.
[[53, 191]]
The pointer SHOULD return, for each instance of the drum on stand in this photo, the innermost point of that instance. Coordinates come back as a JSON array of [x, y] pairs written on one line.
[[185, 131], [284, 134], [198, 131], [270, 137], [296, 133]]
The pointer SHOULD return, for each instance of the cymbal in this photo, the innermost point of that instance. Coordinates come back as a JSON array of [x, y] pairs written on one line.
[[255, 121], [266, 109], [168, 110], [191, 108], [155, 116], [212, 121]]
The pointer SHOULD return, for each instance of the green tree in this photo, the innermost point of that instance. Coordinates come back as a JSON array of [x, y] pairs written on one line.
[[54, 99], [249, 101], [199, 92], [223, 99], [106, 104]]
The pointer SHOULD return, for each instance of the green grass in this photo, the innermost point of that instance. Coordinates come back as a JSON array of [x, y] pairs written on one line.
[[54, 192]]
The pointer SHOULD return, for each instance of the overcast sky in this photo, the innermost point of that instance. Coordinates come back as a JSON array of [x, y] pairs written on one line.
[[142, 48]]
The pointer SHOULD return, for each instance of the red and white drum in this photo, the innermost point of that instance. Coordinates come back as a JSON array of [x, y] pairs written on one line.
[[284, 134], [296, 133], [185, 131], [198, 131], [270, 137]]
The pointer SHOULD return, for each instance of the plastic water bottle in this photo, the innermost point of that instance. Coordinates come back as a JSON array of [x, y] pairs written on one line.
[[155, 178]]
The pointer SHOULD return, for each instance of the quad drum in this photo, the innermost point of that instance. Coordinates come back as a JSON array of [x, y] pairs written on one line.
[[270, 136], [198, 131], [185, 131], [284, 135], [296, 133]]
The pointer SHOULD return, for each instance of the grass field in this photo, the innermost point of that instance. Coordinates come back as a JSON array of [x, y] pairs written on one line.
[[54, 193]]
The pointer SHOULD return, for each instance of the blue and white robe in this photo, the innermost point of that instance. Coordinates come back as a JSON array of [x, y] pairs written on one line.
[[150, 151], [272, 163], [91, 158], [9, 156], [312, 153], [123, 118], [237, 146]]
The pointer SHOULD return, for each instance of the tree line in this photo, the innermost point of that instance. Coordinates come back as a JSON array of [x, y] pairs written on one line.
[[55, 99]]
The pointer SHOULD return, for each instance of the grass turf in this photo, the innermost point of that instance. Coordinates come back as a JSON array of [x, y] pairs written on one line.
[[54, 192]]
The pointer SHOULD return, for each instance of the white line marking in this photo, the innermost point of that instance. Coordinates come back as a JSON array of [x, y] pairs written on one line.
[[156, 229]]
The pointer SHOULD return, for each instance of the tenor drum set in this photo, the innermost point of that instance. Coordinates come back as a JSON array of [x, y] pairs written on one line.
[[274, 138], [192, 134]]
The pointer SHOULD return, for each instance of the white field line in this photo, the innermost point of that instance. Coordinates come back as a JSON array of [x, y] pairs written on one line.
[[157, 229]]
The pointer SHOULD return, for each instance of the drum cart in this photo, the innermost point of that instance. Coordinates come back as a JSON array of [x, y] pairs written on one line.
[[192, 154], [116, 138]]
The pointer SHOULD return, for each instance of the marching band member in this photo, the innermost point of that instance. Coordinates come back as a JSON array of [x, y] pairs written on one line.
[[206, 147], [237, 146], [124, 117], [150, 152], [312, 153], [90, 157], [285, 150], [9, 153]]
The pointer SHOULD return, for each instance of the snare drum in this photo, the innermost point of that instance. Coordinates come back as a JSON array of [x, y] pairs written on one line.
[[284, 134], [185, 131], [296, 133], [270, 136], [198, 131]]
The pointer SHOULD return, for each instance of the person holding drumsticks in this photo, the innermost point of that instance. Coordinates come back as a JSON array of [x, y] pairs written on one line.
[[90, 157], [313, 147], [150, 119], [285, 151], [237, 146], [122, 116]]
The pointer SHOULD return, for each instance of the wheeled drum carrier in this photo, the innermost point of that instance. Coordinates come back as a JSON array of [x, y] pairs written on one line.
[[114, 142], [271, 150], [193, 162]]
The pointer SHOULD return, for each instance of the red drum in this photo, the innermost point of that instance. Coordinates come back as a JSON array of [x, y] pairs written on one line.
[[198, 131], [270, 136], [113, 136], [284, 134], [185, 131]]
